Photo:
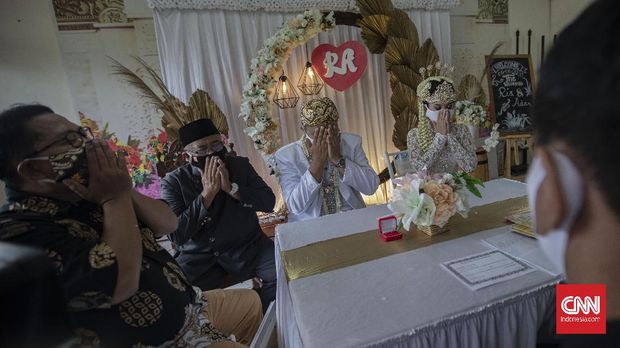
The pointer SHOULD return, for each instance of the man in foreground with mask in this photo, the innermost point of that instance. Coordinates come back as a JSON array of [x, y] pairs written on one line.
[[573, 183], [216, 198], [325, 171], [71, 196]]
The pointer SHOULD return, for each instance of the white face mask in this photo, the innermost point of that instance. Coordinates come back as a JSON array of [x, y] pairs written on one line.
[[309, 139], [433, 115], [555, 242]]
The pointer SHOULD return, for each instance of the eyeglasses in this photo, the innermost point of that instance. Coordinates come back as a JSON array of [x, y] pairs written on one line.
[[200, 152], [76, 138]]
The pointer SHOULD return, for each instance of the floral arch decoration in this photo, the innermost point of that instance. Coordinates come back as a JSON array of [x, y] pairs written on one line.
[[385, 30], [264, 72]]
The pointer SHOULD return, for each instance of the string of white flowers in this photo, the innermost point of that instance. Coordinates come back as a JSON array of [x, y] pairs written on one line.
[[265, 70], [491, 142]]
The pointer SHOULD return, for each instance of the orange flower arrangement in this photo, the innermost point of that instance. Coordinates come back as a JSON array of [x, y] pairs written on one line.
[[445, 198]]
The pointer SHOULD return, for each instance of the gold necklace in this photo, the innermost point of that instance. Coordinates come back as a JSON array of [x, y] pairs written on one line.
[[326, 193]]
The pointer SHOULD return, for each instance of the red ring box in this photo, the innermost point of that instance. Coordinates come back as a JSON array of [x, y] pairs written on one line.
[[388, 228]]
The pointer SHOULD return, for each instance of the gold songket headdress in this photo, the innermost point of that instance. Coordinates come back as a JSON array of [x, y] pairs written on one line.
[[443, 94], [319, 111]]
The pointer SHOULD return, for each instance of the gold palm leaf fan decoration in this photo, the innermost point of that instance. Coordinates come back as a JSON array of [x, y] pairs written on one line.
[[175, 116], [375, 7], [404, 74], [426, 55], [200, 103], [403, 104], [374, 32], [403, 59], [402, 26], [406, 120], [403, 97], [175, 113], [399, 51]]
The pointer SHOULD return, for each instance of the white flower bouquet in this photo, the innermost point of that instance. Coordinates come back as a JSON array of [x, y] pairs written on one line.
[[430, 201], [471, 114]]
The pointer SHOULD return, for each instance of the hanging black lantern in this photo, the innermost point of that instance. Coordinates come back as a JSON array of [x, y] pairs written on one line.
[[285, 96], [310, 82]]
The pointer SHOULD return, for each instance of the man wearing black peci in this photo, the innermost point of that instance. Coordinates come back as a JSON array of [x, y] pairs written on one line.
[[216, 198]]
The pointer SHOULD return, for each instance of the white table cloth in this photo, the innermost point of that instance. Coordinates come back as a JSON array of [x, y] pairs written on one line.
[[409, 299]]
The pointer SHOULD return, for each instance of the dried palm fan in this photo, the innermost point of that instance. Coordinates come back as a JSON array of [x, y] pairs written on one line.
[[140, 84], [175, 118], [404, 74], [470, 88], [426, 55], [404, 106], [404, 79], [200, 103], [399, 51], [175, 113], [374, 32], [374, 7], [403, 123], [402, 26], [403, 97]]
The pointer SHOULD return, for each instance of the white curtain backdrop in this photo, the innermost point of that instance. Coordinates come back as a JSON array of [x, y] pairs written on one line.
[[212, 49]]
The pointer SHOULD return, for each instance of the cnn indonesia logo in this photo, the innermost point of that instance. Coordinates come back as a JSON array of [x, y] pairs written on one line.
[[575, 304], [580, 309]]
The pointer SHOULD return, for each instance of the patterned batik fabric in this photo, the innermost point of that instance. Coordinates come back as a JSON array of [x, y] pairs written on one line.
[[164, 311], [447, 153]]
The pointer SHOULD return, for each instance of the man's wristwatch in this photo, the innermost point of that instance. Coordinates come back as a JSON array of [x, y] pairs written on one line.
[[234, 188], [340, 163]]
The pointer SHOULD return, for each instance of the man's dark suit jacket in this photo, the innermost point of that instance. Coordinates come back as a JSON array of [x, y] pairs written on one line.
[[226, 233]]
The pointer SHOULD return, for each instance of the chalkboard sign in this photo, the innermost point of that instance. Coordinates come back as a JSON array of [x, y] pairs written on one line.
[[511, 89]]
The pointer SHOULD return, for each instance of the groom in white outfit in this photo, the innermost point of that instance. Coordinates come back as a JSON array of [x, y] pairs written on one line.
[[326, 171]]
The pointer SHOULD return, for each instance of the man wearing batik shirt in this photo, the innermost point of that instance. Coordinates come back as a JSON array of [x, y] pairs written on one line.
[[71, 196], [325, 172]]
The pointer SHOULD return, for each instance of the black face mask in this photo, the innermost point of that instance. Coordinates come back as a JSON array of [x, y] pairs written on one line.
[[200, 162], [70, 164]]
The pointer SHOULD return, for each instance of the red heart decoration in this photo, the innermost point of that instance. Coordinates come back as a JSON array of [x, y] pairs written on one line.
[[335, 65]]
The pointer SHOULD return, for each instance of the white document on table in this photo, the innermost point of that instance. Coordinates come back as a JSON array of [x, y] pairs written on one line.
[[513, 243], [487, 268], [522, 247]]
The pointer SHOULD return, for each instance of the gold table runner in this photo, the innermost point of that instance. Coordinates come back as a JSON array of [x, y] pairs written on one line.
[[362, 247]]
